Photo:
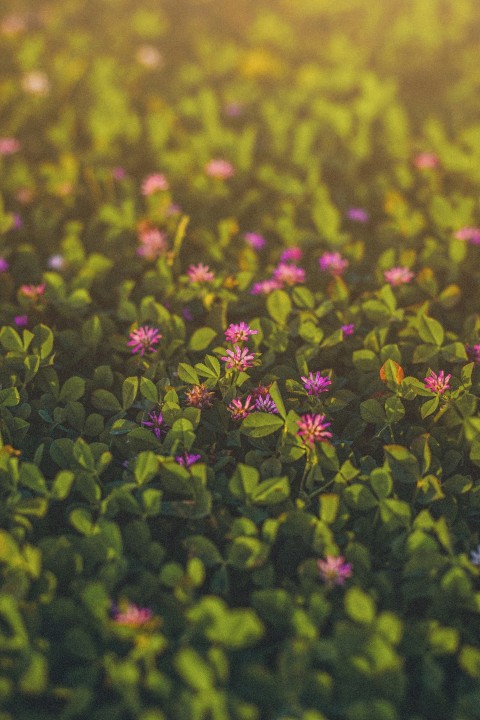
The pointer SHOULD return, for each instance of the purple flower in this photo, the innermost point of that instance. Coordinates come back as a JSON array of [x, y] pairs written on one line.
[[470, 234], [233, 109], [144, 339], [437, 383], [256, 241], [155, 422], [398, 276], [348, 329], [426, 161], [153, 243], [239, 410], [291, 253], [131, 615], [200, 273], [9, 146], [17, 222], [154, 183], [4, 265], [265, 403], [187, 459], [240, 332], [56, 262], [265, 287], [358, 215], [313, 428], [238, 359], [315, 384], [473, 352], [288, 274], [219, 169], [333, 263], [119, 173], [20, 320], [334, 570]]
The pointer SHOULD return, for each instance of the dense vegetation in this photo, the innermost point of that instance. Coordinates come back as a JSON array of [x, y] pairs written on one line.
[[239, 370]]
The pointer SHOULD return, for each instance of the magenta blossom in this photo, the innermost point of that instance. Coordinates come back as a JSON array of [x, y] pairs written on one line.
[[4, 265], [238, 359], [154, 183], [348, 329], [156, 423], [56, 262], [265, 287], [437, 383], [240, 332], [470, 234], [144, 339], [293, 253], [333, 263], [233, 109], [315, 384], [265, 403], [153, 243], [131, 615], [426, 161], [200, 273], [313, 428], [473, 352], [119, 173], [20, 320], [9, 146], [334, 570], [219, 169], [256, 241], [32, 292], [287, 274], [398, 276], [358, 214], [239, 410], [187, 459]]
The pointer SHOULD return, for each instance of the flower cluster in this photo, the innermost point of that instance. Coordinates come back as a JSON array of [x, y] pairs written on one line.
[[315, 383], [334, 570], [239, 332], [153, 243], [313, 428], [154, 183], [398, 276], [219, 169], [437, 383], [239, 410], [198, 396], [131, 615], [469, 234], [144, 339], [238, 359], [333, 263], [200, 273], [156, 423]]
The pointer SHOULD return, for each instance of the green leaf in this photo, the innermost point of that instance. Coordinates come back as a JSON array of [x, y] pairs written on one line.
[[129, 391], [260, 424], [105, 401], [146, 466], [403, 465], [429, 407], [81, 519], [394, 409], [381, 482], [394, 513], [203, 548], [83, 455], [31, 477], [430, 330], [372, 412], [62, 485], [193, 669], [188, 374], [279, 306], [278, 400], [359, 606], [243, 481], [9, 397], [359, 497], [201, 339], [210, 368], [11, 340], [271, 491], [72, 389], [469, 660], [148, 390]]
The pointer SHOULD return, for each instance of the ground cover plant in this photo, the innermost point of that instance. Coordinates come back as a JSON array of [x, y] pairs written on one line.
[[239, 369]]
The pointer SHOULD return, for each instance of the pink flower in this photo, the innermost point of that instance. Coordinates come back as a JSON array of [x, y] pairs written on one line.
[[155, 422], [153, 243], [265, 287], [437, 383], [265, 403], [240, 332], [398, 276], [239, 410], [333, 263], [334, 570], [32, 292], [470, 234], [287, 274], [219, 169], [348, 329], [233, 109], [20, 320], [119, 173], [149, 57], [9, 146], [4, 265], [187, 459], [238, 359], [256, 241], [198, 396], [144, 339], [291, 253], [36, 82], [13, 24], [313, 428], [316, 384], [473, 352], [56, 262], [426, 161], [200, 273], [154, 183], [131, 616], [358, 215]]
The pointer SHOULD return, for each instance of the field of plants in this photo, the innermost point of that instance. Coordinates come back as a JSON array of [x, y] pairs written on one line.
[[239, 360]]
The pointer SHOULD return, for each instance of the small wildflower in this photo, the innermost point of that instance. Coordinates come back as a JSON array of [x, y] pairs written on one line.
[[4, 265], [187, 459], [153, 243], [119, 173], [334, 570], [266, 404], [398, 276], [156, 423], [293, 253], [187, 314], [32, 292], [238, 359], [239, 410], [20, 320], [287, 274], [426, 161], [313, 428], [36, 82], [144, 339], [233, 109], [24, 195], [173, 209], [470, 234], [437, 383], [200, 273], [9, 146], [348, 329], [240, 332], [198, 396], [149, 57], [475, 556], [56, 262], [219, 169], [358, 215], [333, 263], [315, 384], [265, 287], [256, 241], [154, 183], [473, 353], [131, 615]]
